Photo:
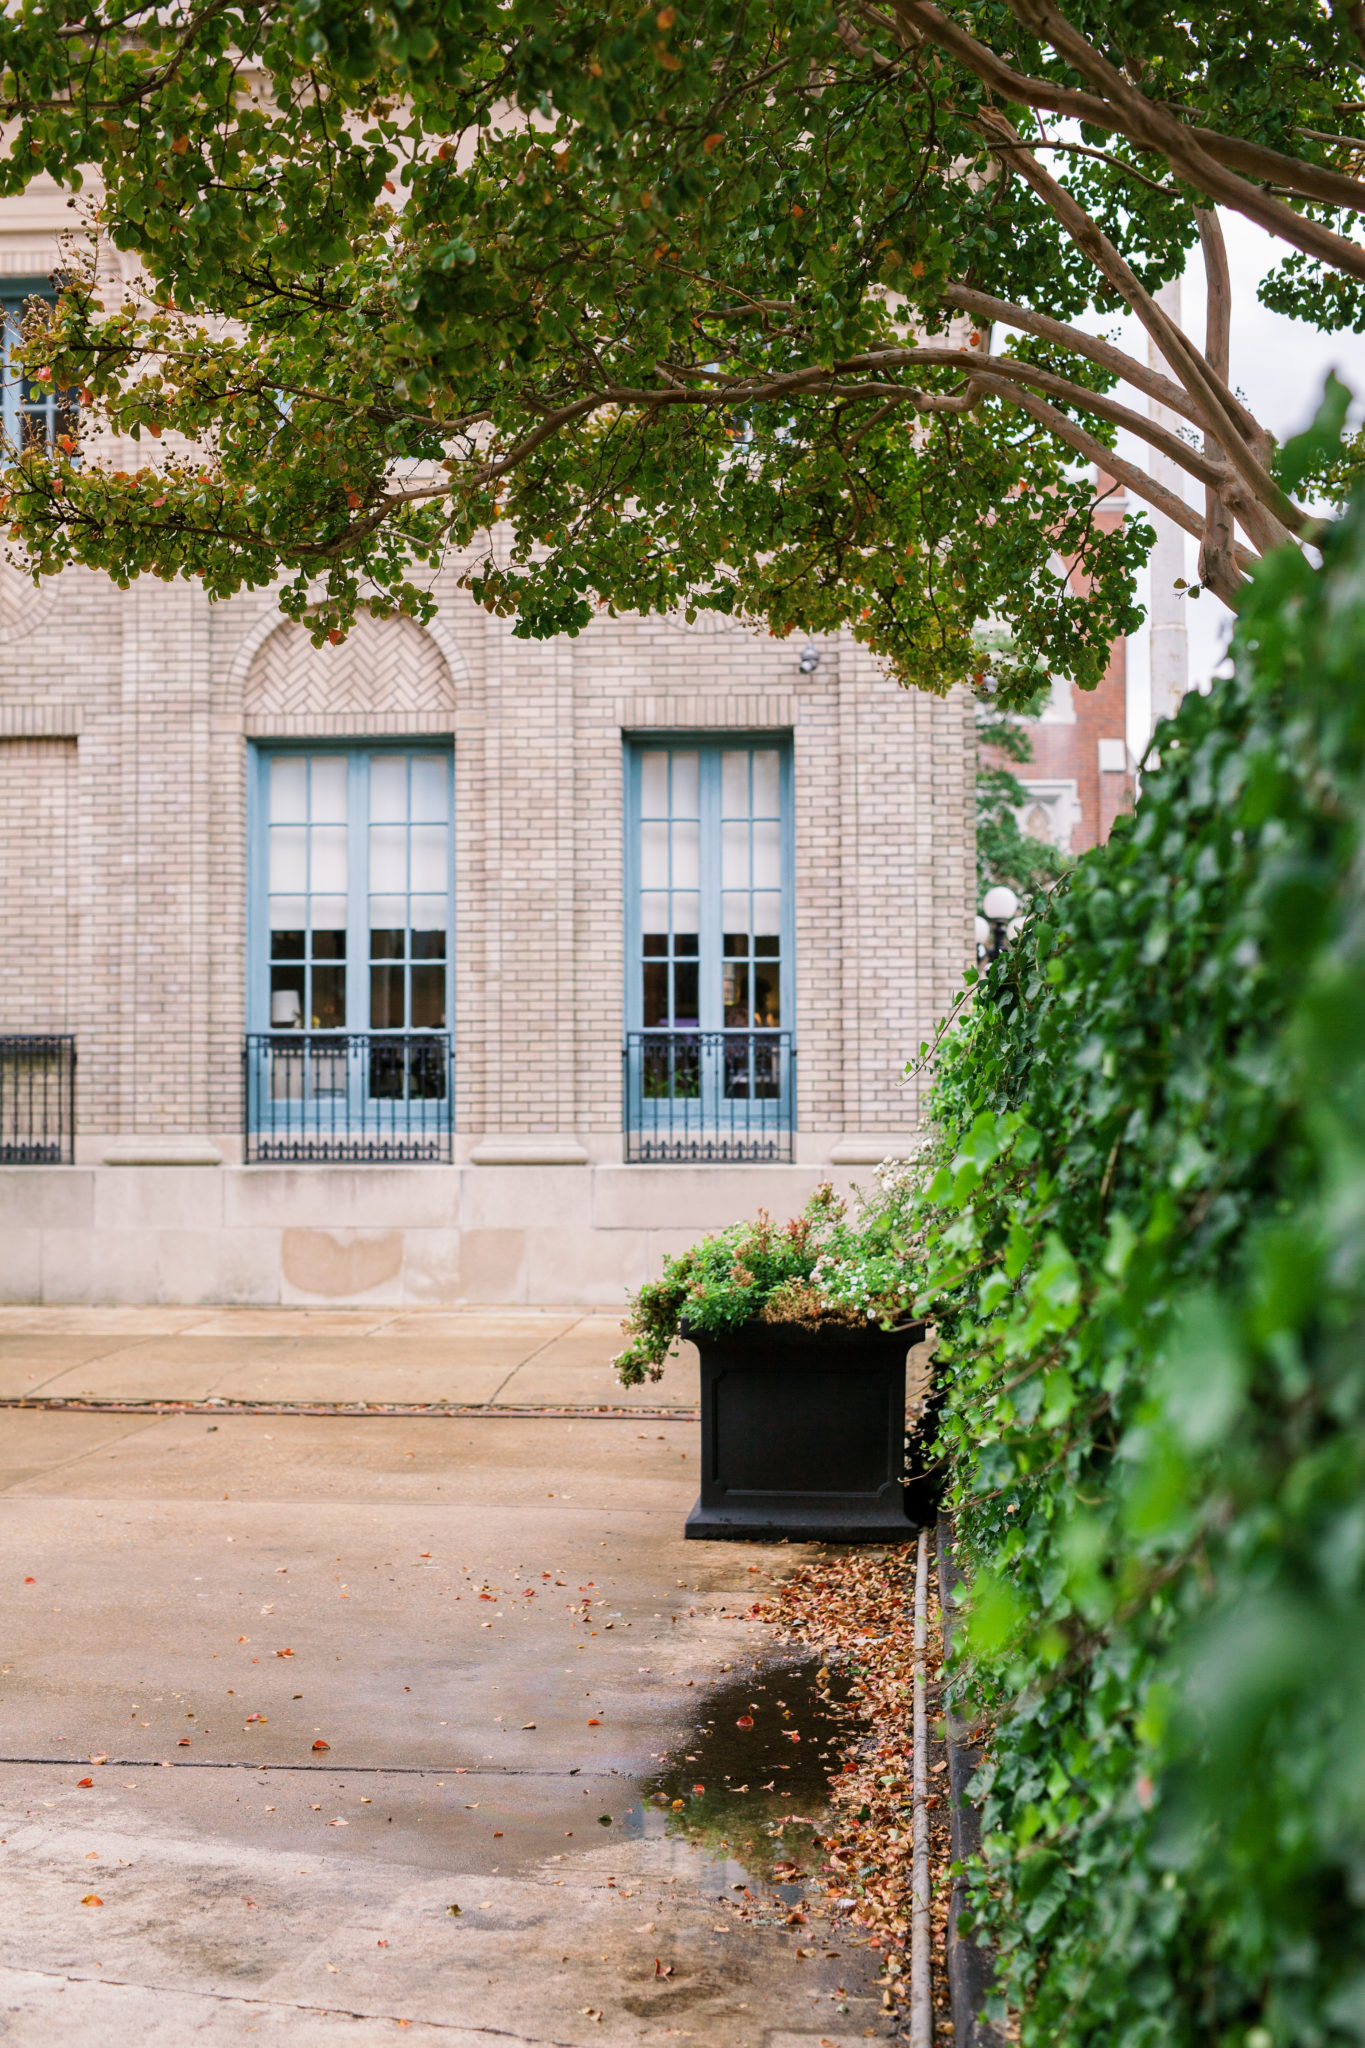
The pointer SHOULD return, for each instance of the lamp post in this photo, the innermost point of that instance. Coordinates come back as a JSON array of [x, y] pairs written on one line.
[[1000, 907]]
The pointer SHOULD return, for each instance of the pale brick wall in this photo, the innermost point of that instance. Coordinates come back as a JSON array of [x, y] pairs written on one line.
[[125, 721], [39, 964], [128, 718]]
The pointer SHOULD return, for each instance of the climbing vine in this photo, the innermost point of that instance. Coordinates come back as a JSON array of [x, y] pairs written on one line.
[[1144, 1245]]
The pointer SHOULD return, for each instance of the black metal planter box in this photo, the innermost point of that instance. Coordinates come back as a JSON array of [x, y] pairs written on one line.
[[803, 1435]]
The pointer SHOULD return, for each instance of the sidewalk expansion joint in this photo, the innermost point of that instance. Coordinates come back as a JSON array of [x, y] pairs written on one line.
[[200, 1763], [439, 1411], [258, 2003]]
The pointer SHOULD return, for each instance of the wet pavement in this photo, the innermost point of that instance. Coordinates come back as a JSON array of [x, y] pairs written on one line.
[[444, 1779], [751, 1779]]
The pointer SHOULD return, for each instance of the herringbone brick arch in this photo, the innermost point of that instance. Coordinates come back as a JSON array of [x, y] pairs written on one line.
[[384, 665]]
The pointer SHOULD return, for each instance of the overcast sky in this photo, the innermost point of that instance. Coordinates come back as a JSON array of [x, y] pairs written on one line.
[[1278, 367]]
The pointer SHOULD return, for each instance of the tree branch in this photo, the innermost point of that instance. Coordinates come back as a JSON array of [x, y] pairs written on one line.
[[1218, 313], [1215, 548], [1221, 413], [1106, 156], [925, 22], [1229, 585], [1214, 475], [1000, 374], [1129, 368], [1355, 14], [1152, 127], [829, 381]]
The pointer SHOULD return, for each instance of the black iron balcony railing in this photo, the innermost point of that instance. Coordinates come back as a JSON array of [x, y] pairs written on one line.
[[697, 1097], [360, 1098], [37, 1099]]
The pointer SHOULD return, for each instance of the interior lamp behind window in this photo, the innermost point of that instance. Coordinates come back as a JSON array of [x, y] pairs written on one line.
[[286, 1009]]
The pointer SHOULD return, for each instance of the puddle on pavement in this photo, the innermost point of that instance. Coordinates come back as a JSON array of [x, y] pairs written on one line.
[[762, 1751]]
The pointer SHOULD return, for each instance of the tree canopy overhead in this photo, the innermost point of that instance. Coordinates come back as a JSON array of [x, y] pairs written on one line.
[[767, 310]]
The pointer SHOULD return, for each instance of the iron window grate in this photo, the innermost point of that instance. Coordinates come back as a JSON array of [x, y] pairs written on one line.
[[37, 1099], [354, 1098], [709, 1097]]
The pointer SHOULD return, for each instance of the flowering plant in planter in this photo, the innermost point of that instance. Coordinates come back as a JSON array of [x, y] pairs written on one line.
[[822, 1267]]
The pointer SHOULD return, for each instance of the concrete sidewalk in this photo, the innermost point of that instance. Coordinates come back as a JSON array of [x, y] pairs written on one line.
[[275, 1850], [502, 1358]]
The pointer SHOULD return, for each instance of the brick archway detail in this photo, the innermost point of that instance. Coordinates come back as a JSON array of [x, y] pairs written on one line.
[[384, 666]]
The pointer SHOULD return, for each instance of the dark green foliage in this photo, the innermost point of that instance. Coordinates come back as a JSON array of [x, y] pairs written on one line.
[[641, 291], [443, 317], [1145, 1247]]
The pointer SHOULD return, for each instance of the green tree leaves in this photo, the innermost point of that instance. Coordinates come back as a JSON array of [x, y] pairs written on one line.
[[627, 313]]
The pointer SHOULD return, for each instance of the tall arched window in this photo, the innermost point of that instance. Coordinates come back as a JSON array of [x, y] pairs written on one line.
[[709, 1013], [350, 980]]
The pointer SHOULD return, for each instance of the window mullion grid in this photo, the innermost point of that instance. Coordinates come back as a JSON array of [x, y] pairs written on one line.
[[357, 931], [406, 1013], [6, 429], [9, 379], [709, 877], [786, 778], [450, 897]]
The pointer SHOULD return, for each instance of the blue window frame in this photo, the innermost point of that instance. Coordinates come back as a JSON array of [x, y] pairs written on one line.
[[709, 1025], [351, 956], [30, 410]]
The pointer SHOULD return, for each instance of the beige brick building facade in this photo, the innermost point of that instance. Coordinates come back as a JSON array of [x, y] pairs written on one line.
[[131, 725]]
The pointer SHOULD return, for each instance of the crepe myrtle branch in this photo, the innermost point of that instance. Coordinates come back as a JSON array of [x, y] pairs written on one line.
[[962, 401], [1152, 126], [1215, 403], [835, 381], [1214, 474], [918, 22], [1229, 575], [1268, 513], [693, 384], [860, 379], [1106, 156], [869, 378], [1143, 378], [1001, 376], [1218, 539]]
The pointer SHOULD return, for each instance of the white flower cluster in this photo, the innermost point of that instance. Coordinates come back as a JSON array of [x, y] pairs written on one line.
[[875, 1285]]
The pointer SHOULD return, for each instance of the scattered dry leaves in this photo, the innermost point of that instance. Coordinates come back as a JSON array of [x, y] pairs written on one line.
[[855, 1608]]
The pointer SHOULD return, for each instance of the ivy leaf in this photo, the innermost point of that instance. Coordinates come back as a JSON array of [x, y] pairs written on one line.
[[1319, 443], [1200, 1379]]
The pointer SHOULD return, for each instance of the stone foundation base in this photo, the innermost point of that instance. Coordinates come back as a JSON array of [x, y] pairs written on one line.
[[554, 1234]]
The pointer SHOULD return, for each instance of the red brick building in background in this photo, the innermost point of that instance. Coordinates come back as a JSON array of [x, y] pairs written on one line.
[[1081, 775]]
